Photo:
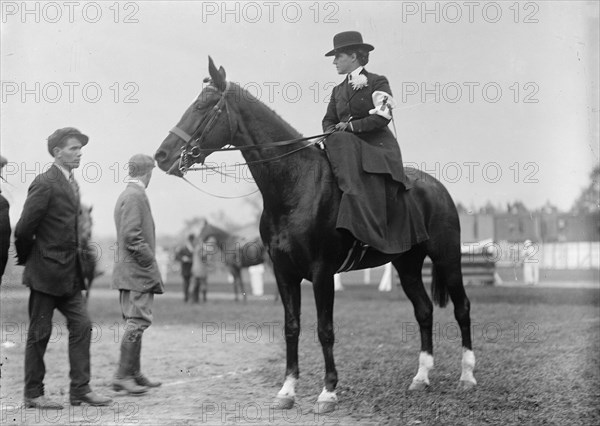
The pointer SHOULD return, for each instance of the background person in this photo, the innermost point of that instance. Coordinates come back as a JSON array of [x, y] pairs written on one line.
[[47, 243], [184, 255], [5, 229], [200, 267], [531, 263], [136, 273]]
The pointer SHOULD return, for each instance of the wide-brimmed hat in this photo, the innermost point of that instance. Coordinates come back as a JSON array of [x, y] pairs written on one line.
[[348, 39], [55, 138]]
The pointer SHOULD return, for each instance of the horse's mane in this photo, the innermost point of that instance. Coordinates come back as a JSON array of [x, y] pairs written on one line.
[[263, 119]]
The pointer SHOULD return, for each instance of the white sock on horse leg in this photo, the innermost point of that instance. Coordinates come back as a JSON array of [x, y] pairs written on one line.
[[288, 390], [425, 365], [468, 365]]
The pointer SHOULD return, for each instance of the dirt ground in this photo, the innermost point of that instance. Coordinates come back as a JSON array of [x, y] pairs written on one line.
[[212, 375], [222, 363]]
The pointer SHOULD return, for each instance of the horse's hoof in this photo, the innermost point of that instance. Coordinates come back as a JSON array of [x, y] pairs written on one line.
[[463, 385], [325, 407], [418, 385], [284, 402]]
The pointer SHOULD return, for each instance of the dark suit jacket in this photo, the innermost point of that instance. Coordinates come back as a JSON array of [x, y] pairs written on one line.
[[4, 233], [381, 153], [135, 267], [46, 236], [185, 256]]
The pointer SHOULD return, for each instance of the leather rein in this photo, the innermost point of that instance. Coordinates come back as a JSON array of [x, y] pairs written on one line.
[[194, 141]]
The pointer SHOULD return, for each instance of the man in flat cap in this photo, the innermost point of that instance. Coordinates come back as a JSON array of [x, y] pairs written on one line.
[[136, 274], [47, 244]]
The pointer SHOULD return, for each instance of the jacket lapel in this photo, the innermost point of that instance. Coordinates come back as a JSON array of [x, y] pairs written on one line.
[[65, 186], [353, 92]]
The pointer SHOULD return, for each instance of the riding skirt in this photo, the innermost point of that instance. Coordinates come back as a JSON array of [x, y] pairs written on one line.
[[376, 207]]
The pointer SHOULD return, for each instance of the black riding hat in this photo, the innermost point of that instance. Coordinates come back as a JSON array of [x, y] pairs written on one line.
[[348, 39]]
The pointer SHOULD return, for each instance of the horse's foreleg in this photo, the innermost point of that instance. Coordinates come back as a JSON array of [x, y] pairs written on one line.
[[409, 269], [323, 288], [289, 289]]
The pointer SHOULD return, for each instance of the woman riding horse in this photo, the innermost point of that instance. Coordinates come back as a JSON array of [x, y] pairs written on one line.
[[365, 155], [298, 225]]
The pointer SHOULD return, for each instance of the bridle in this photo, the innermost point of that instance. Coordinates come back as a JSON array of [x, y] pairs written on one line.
[[193, 142]]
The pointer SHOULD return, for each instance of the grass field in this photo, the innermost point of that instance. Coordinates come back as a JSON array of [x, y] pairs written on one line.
[[538, 356]]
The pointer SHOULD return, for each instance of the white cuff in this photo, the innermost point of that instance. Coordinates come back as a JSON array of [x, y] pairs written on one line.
[[384, 104]]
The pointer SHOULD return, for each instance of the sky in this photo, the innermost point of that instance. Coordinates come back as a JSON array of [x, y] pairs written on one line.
[[498, 100]]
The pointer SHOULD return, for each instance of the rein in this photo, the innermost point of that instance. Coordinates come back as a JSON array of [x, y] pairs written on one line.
[[265, 145], [263, 160], [193, 143], [218, 196]]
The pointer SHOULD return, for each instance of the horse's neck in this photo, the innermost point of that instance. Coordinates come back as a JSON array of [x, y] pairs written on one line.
[[279, 176]]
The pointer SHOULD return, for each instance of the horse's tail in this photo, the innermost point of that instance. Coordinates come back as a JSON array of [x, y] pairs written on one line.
[[439, 287]]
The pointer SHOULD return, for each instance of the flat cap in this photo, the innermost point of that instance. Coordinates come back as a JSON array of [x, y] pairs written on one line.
[[58, 136], [140, 164]]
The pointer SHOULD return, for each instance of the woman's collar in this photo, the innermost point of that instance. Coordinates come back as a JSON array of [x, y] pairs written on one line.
[[357, 71]]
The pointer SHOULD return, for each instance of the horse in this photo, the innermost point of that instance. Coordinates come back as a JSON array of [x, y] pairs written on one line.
[[298, 225], [89, 252], [236, 253]]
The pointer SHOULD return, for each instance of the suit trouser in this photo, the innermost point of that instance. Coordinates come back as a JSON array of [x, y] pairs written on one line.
[[186, 287], [200, 285], [41, 309]]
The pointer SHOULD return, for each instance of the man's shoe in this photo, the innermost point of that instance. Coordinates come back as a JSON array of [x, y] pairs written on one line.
[[91, 398], [42, 402], [129, 385], [142, 380]]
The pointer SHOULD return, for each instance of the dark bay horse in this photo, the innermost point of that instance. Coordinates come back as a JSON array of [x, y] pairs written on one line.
[[235, 252], [298, 225]]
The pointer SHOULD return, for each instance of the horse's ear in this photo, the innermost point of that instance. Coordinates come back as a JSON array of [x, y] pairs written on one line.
[[217, 76]]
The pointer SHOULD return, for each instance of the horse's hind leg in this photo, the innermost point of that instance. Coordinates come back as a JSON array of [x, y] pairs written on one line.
[[409, 267], [448, 274]]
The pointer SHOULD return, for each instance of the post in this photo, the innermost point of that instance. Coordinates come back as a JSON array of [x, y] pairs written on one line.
[[386, 280]]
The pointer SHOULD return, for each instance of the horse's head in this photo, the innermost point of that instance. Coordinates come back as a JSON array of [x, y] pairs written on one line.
[[206, 125], [208, 230]]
